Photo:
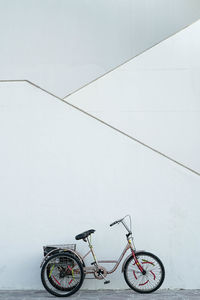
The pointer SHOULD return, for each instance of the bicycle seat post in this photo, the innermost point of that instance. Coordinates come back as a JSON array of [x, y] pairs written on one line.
[[96, 261], [92, 251]]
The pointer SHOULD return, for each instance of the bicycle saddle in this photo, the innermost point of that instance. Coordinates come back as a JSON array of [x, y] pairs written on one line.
[[84, 234]]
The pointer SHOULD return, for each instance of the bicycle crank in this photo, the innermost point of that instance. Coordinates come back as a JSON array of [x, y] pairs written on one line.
[[100, 273]]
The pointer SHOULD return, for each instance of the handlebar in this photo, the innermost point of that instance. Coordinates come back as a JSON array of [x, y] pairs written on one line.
[[123, 222]]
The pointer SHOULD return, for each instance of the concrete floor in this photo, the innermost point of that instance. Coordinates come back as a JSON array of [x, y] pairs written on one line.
[[104, 295]]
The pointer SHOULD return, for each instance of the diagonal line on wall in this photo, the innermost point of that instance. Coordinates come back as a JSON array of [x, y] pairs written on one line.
[[106, 124], [127, 61]]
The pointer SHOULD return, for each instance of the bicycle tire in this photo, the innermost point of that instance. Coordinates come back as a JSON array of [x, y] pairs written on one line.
[[53, 281], [152, 280], [57, 274]]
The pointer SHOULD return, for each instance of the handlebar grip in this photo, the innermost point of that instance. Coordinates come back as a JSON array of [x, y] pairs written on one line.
[[113, 223], [116, 222]]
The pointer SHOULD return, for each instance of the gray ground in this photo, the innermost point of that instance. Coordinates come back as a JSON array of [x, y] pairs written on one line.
[[104, 295]]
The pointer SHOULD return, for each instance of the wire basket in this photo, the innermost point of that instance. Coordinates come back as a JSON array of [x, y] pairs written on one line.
[[63, 247]]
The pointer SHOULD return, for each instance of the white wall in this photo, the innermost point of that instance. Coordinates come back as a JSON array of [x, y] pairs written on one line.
[[62, 45], [155, 97], [63, 172]]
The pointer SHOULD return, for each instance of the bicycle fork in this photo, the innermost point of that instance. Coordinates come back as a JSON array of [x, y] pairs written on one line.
[[135, 259]]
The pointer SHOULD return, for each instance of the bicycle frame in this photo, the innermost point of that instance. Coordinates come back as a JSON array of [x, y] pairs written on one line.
[[90, 270], [96, 263]]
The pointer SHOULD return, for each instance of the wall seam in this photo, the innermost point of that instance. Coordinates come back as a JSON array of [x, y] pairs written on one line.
[[127, 61], [106, 124]]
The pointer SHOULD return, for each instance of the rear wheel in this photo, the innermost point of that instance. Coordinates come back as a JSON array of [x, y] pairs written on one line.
[[62, 274], [153, 277]]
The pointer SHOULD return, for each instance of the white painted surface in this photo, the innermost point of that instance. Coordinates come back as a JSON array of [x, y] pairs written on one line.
[[63, 172], [62, 45], [155, 97]]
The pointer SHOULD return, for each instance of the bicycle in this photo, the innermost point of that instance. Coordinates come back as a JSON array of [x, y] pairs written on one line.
[[63, 269]]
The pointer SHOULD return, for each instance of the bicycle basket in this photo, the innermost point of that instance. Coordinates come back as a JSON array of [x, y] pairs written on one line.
[[63, 247]]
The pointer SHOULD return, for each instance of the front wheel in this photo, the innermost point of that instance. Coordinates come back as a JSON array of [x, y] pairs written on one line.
[[153, 277]]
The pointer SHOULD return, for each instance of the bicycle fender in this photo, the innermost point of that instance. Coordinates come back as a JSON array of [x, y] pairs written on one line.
[[54, 251], [59, 250], [123, 266], [77, 255]]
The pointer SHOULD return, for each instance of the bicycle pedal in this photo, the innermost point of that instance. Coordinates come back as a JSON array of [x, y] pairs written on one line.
[[107, 281]]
